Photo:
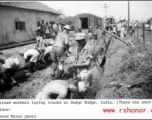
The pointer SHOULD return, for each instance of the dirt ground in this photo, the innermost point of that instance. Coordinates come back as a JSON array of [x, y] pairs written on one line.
[[127, 74], [30, 86]]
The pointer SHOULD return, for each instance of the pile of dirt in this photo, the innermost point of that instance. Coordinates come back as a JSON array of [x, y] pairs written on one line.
[[128, 72]]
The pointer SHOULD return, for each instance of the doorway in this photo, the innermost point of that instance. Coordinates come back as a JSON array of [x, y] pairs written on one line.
[[84, 23]]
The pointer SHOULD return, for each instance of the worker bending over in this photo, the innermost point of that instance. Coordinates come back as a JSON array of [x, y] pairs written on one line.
[[11, 65], [32, 57], [58, 89], [47, 55], [9, 68]]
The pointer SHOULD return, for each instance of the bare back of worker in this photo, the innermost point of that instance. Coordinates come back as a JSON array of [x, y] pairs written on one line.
[[59, 87], [58, 51], [61, 40], [60, 45]]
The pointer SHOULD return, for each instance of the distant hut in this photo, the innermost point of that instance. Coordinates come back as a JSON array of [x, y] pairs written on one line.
[[84, 20]]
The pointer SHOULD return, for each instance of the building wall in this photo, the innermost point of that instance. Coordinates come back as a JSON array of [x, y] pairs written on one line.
[[7, 23]]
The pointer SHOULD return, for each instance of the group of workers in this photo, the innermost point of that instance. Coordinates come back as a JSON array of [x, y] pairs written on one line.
[[121, 27], [54, 54], [48, 30], [85, 61]]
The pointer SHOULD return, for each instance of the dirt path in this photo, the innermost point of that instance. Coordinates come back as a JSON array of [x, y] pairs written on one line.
[[29, 88], [127, 75]]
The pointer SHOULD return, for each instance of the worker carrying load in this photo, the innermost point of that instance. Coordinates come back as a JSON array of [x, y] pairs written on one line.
[[60, 45]]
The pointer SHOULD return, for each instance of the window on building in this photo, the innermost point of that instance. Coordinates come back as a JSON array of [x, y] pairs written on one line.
[[19, 25]]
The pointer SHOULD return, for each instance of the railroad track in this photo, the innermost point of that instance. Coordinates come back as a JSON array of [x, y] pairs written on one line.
[[17, 45]]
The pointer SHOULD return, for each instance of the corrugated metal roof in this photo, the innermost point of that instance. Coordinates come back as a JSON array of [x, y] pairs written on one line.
[[31, 6]]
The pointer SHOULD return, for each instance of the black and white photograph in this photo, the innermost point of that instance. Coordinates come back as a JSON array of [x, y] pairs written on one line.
[[75, 50]]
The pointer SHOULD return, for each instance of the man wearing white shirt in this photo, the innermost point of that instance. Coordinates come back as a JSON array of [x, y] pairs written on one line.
[[31, 56], [119, 28], [39, 36], [55, 28]]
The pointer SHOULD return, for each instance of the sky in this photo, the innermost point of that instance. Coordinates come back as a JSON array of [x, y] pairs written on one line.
[[139, 10]]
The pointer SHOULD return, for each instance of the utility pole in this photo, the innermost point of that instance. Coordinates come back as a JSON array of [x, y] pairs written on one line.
[[144, 33], [105, 7], [128, 14]]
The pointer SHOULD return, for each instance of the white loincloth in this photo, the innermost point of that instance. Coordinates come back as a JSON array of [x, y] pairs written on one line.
[[84, 73], [86, 77]]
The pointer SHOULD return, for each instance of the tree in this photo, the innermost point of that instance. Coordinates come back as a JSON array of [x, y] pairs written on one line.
[[149, 21], [62, 15]]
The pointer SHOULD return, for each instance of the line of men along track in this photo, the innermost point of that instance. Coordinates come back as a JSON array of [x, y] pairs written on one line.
[[44, 56]]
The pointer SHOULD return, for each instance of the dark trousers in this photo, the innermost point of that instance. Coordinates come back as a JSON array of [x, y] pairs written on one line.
[[7, 74], [57, 56]]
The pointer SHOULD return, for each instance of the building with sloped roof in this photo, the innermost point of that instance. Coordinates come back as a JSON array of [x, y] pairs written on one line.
[[19, 20], [84, 20]]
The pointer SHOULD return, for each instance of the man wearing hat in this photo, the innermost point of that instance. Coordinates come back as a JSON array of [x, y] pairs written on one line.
[[84, 63], [81, 40], [60, 45]]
